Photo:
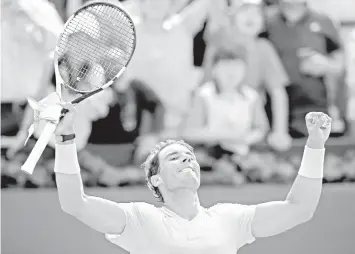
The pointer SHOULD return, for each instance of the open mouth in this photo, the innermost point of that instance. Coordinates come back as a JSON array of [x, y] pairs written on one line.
[[187, 169]]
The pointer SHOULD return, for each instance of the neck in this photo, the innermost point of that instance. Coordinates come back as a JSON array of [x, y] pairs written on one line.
[[185, 203]]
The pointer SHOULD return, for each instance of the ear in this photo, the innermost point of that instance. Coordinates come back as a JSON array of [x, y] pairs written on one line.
[[156, 180]]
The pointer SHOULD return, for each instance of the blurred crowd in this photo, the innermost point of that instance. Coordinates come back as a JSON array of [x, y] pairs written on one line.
[[234, 78]]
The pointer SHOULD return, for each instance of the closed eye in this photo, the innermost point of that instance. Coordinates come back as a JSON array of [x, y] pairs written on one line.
[[173, 158]]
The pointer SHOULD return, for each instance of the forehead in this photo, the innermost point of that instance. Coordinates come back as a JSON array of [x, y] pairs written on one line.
[[172, 149]]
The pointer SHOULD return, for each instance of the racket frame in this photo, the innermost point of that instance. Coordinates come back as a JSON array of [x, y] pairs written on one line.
[[49, 129]]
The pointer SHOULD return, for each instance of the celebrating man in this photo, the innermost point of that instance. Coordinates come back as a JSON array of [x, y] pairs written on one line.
[[181, 224]]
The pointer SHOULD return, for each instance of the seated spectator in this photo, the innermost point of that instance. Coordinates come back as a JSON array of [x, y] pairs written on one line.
[[227, 115], [265, 71], [311, 50]]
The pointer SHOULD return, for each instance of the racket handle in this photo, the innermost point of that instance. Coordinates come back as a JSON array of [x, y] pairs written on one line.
[[39, 147]]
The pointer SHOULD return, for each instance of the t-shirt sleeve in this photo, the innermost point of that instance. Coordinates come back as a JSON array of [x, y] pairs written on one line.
[[133, 231], [273, 73], [239, 218]]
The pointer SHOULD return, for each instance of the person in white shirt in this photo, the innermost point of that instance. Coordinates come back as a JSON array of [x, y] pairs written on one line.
[[166, 42], [182, 224]]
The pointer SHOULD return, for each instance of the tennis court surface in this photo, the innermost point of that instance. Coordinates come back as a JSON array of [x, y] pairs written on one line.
[[33, 223]]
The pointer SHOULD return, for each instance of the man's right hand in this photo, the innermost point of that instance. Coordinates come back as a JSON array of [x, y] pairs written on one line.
[[66, 124]]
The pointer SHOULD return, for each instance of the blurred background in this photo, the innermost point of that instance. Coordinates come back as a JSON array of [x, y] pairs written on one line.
[[235, 78]]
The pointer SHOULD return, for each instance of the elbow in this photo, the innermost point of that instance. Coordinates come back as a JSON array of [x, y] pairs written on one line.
[[305, 215], [75, 209], [69, 211]]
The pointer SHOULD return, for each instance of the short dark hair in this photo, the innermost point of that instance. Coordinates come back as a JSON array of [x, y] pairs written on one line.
[[151, 164]]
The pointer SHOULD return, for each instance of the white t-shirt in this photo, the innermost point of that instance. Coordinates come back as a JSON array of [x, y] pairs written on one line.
[[235, 112], [222, 228]]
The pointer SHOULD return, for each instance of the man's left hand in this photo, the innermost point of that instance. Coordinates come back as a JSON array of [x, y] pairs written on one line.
[[280, 141], [314, 63], [319, 127]]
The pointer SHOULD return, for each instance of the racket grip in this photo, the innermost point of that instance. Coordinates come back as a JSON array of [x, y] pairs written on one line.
[[39, 147]]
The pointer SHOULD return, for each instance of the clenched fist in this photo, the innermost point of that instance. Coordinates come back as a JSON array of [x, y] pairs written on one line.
[[318, 126]]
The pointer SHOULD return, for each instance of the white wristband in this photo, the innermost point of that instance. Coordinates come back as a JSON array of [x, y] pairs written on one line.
[[312, 163], [66, 159]]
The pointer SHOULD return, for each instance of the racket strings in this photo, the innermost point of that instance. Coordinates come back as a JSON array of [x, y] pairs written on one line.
[[95, 45]]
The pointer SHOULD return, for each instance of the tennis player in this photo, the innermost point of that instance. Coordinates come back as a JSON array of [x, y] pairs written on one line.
[[181, 224]]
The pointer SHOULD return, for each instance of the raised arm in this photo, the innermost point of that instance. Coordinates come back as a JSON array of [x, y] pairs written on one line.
[[102, 215], [272, 218], [192, 16]]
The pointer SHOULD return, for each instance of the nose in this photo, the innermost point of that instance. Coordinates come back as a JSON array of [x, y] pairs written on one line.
[[187, 159]]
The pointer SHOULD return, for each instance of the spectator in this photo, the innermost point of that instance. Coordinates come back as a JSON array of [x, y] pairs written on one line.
[[89, 110], [265, 71], [227, 115], [136, 118], [163, 58], [29, 34], [311, 50]]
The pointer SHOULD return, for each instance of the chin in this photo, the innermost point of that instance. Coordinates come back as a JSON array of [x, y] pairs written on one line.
[[192, 183]]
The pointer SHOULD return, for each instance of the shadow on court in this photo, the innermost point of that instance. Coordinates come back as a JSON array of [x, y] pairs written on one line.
[[33, 223]]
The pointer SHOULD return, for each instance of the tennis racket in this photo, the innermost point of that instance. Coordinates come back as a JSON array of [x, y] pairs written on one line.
[[97, 41]]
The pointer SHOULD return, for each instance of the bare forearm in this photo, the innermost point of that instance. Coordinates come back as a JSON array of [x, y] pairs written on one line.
[[70, 192], [27, 120], [336, 63], [305, 193], [306, 190], [68, 179], [102, 215], [280, 108], [195, 14], [158, 123], [275, 217]]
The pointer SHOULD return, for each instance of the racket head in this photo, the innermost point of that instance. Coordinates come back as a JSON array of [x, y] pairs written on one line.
[[95, 47]]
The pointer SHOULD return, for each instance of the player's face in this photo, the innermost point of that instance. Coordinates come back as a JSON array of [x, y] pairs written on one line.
[[249, 19], [229, 74], [179, 168], [293, 10], [155, 9]]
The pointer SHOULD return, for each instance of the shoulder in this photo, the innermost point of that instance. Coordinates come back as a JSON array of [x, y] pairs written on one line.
[[320, 17], [265, 48], [263, 44]]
